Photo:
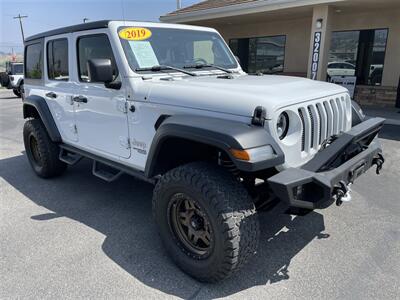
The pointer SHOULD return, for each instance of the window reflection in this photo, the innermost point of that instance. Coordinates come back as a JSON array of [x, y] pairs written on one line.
[[378, 57], [343, 53], [359, 53], [260, 55]]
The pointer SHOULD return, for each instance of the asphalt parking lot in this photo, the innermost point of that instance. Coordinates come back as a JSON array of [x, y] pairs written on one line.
[[79, 237]]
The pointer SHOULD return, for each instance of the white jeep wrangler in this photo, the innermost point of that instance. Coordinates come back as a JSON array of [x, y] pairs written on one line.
[[13, 78], [169, 104]]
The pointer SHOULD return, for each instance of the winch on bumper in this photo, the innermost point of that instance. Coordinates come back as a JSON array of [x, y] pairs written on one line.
[[325, 178]]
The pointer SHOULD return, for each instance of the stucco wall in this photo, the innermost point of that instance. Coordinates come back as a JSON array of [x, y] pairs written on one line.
[[372, 20], [297, 33]]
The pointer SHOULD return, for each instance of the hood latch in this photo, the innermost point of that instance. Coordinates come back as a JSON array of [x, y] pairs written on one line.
[[259, 116]]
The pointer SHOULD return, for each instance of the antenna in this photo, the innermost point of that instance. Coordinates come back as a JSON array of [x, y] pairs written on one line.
[[123, 11], [20, 24]]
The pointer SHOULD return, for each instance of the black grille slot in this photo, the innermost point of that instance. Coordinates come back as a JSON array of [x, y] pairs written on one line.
[[320, 124], [335, 117], [312, 126], [328, 123], [303, 133]]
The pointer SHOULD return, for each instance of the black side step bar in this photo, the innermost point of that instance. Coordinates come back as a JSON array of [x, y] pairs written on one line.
[[105, 174], [69, 157], [114, 165]]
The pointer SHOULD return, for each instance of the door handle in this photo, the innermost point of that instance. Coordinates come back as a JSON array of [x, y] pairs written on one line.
[[51, 95], [80, 99]]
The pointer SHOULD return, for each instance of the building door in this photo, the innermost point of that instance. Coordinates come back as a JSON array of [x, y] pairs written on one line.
[[365, 49]]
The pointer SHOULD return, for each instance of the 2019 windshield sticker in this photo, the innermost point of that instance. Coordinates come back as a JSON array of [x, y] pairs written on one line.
[[135, 33]]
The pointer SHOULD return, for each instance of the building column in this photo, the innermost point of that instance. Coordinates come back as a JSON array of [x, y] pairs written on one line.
[[320, 42]]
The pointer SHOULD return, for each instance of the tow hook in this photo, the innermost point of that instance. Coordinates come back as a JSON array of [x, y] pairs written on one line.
[[341, 193], [378, 161]]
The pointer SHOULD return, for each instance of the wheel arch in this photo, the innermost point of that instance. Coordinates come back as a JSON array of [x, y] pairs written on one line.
[[357, 116], [175, 150], [183, 138], [36, 107], [20, 81]]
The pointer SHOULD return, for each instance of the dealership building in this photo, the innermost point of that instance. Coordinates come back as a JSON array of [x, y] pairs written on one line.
[[358, 40]]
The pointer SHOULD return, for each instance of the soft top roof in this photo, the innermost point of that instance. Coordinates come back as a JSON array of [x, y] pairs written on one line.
[[106, 24], [69, 29]]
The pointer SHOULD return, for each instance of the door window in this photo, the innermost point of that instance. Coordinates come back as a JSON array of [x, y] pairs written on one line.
[[33, 61], [92, 47], [57, 60]]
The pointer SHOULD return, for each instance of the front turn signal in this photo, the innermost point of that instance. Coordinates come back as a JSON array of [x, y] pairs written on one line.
[[240, 154]]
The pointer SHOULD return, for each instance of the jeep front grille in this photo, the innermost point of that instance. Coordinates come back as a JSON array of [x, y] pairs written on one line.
[[321, 120]]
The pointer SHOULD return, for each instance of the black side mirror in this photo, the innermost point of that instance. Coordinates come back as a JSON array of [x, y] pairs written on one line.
[[100, 70]]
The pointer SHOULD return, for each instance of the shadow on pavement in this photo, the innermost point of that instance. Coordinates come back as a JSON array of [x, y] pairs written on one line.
[[390, 132], [122, 212], [7, 97]]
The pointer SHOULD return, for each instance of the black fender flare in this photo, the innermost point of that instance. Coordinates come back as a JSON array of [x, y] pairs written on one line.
[[36, 103], [219, 133], [20, 81], [357, 115]]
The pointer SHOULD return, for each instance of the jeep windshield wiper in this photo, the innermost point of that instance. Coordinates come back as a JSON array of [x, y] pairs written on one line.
[[164, 67], [200, 66]]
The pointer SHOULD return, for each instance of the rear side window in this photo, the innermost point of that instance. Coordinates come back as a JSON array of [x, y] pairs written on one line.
[[90, 47], [34, 61], [57, 59]]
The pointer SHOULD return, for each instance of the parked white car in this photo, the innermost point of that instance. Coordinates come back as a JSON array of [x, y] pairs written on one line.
[[341, 69], [170, 105]]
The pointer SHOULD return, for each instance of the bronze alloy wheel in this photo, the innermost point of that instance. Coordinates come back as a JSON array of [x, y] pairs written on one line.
[[206, 219], [190, 225], [34, 147]]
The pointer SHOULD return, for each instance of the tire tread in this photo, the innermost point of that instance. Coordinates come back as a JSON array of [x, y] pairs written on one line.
[[51, 165], [233, 206]]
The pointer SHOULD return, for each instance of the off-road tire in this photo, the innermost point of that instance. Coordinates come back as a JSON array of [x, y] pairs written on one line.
[[17, 92], [22, 90], [231, 213], [46, 164], [4, 79]]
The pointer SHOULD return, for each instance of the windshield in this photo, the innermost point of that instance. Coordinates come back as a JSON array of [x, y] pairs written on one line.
[[17, 69], [178, 48]]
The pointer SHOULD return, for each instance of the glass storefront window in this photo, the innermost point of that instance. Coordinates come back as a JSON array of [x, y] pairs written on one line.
[[261, 54], [343, 53], [378, 57], [359, 53]]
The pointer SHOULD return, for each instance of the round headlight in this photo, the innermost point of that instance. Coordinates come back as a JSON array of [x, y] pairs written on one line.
[[282, 125]]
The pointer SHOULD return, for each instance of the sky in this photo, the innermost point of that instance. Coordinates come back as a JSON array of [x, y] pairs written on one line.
[[45, 15]]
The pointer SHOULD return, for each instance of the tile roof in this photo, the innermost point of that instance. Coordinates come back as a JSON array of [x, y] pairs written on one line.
[[208, 4]]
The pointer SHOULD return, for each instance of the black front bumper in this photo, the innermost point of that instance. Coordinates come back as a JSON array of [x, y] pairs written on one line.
[[315, 184]]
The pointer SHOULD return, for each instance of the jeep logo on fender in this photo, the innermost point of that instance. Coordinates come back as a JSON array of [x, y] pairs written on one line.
[[315, 55]]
